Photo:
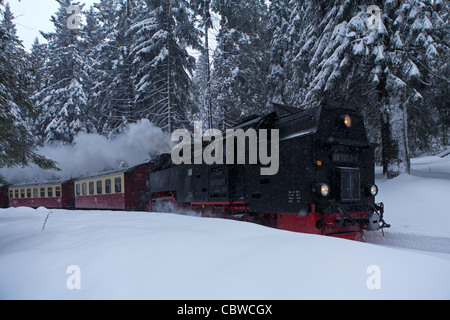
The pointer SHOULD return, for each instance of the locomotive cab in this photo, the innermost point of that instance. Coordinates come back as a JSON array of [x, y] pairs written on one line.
[[345, 159], [326, 183]]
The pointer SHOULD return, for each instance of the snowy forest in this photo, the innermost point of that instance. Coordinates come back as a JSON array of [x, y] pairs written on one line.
[[218, 61]]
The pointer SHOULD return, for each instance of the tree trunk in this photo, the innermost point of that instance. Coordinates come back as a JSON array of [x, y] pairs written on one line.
[[208, 67], [385, 142], [169, 69], [395, 152]]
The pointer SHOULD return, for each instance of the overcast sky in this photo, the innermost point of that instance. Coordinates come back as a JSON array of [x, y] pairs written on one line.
[[33, 16]]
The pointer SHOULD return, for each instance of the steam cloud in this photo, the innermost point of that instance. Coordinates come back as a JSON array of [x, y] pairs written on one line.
[[93, 153]]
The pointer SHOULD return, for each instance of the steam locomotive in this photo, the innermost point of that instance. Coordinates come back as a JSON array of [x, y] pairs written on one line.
[[325, 183]]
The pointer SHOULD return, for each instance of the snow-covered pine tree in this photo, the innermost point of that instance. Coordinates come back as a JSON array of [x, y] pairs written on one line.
[[64, 100], [286, 83], [38, 60], [241, 60], [16, 141], [113, 90], [202, 10], [162, 66], [386, 67], [279, 48], [427, 45], [440, 95], [201, 96], [16, 58], [409, 61], [89, 41]]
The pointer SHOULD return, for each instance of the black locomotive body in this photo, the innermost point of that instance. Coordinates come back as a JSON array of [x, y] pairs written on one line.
[[325, 183]]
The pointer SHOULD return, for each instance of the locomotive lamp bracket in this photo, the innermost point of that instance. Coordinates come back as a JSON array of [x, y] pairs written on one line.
[[379, 208], [372, 222]]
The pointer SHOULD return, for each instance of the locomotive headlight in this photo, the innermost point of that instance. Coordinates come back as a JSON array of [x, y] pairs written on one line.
[[324, 189], [374, 190], [348, 121]]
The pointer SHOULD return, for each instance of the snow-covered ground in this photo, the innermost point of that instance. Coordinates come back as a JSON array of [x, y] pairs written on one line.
[[60, 254], [417, 206]]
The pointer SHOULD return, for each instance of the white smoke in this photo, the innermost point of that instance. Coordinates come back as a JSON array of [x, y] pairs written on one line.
[[173, 208], [93, 153]]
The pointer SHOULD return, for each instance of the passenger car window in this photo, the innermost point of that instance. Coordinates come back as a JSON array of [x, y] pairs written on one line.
[[91, 188], [108, 186], [118, 185], [99, 187], [50, 192]]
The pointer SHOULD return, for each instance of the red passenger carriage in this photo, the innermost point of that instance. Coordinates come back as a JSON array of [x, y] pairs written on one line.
[[51, 194], [122, 189]]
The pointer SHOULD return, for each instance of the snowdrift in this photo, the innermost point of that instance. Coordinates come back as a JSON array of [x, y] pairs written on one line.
[[417, 206], [165, 256], [139, 255]]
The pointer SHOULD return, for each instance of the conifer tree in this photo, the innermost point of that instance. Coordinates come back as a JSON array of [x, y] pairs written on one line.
[[240, 60], [202, 9], [287, 74], [113, 91], [39, 56], [64, 99], [387, 68], [16, 141], [162, 66]]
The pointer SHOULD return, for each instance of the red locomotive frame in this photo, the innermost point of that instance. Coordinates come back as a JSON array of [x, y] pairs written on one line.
[[296, 222]]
